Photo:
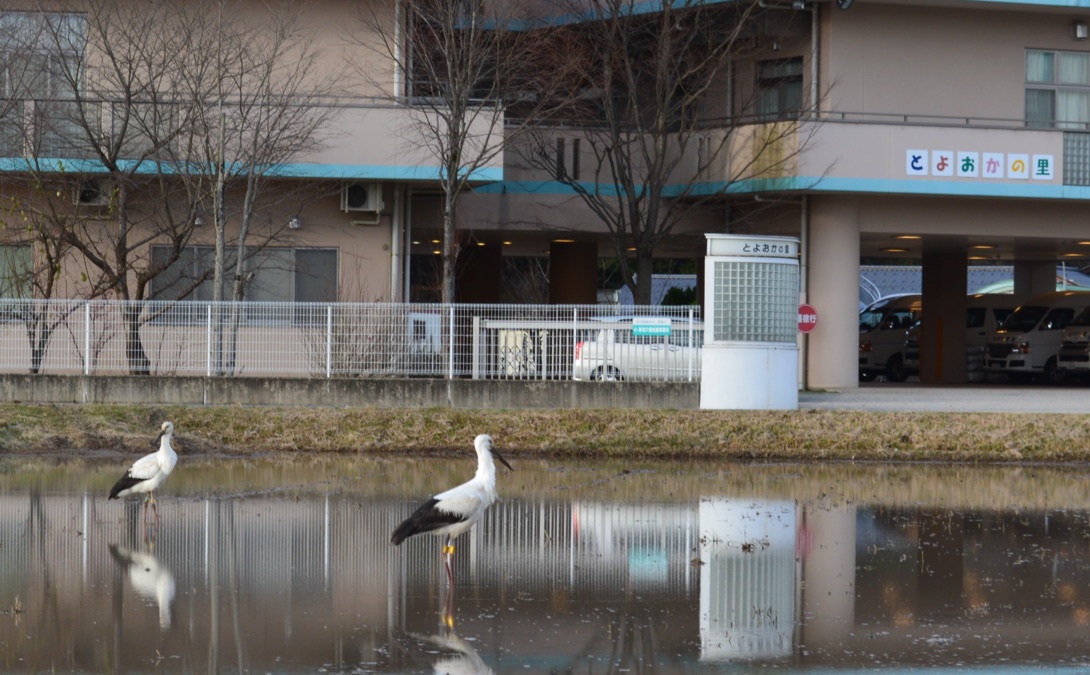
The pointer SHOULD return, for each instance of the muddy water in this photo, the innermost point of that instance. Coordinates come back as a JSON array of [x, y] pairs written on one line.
[[284, 565]]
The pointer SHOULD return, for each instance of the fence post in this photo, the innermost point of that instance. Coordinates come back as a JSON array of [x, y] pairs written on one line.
[[328, 341], [208, 339], [87, 338], [450, 350], [691, 350], [574, 339], [476, 347]]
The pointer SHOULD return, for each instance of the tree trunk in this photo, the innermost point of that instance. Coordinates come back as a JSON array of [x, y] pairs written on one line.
[[139, 364], [641, 292]]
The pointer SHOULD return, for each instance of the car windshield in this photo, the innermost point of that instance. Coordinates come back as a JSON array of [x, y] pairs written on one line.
[[1024, 318], [869, 319], [1083, 319]]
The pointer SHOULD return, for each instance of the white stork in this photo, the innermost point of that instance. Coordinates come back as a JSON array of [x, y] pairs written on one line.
[[149, 472], [455, 511]]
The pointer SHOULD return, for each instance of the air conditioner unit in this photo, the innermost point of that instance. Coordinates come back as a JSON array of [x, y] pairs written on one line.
[[92, 193], [361, 197]]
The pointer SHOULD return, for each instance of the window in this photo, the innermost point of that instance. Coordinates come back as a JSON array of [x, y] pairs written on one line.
[[274, 275], [1057, 89], [41, 51], [779, 88], [40, 54], [16, 268]]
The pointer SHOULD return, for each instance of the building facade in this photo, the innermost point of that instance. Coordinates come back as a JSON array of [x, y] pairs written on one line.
[[946, 133]]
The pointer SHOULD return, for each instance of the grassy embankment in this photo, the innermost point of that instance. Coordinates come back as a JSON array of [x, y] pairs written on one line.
[[840, 435]]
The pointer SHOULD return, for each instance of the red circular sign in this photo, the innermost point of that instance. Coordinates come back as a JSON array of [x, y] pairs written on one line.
[[807, 318]]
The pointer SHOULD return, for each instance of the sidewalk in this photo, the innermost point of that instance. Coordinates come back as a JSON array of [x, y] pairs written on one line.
[[914, 397]]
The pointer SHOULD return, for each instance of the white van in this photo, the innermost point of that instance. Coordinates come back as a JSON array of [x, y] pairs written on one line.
[[1027, 343], [984, 313], [883, 327], [1074, 355]]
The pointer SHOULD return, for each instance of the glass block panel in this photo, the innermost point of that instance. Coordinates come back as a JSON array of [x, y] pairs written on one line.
[[755, 301], [1076, 158]]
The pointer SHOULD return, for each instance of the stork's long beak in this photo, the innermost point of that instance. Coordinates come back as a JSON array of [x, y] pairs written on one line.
[[498, 456], [155, 443]]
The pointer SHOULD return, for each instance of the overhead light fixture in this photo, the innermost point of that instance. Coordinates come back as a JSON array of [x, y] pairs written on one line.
[[907, 236], [1079, 31], [979, 257], [506, 243], [1083, 243], [982, 247], [480, 243], [894, 250], [1074, 255], [563, 241]]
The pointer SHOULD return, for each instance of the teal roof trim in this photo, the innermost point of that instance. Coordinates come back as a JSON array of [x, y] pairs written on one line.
[[390, 172], [958, 188]]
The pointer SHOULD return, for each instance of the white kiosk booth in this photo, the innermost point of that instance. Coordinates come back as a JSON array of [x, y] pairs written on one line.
[[751, 300]]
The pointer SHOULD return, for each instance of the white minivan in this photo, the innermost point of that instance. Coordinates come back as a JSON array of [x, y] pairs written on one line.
[[1074, 355], [984, 313], [1027, 343], [883, 327]]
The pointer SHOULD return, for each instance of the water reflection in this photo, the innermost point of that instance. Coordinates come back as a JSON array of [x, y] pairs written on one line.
[[290, 570], [151, 580]]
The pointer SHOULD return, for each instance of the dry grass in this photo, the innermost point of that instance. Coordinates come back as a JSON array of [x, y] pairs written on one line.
[[840, 435]]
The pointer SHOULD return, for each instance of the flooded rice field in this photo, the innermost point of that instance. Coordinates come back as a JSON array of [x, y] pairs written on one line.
[[285, 565]]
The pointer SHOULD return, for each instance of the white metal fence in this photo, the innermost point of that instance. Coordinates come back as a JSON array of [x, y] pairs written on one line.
[[262, 339]]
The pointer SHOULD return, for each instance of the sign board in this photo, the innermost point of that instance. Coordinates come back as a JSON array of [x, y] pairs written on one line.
[[807, 318], [758, 246], [651, 325]]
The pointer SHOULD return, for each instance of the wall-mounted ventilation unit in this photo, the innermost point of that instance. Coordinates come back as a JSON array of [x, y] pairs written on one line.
[[92, 193], [361, 197]]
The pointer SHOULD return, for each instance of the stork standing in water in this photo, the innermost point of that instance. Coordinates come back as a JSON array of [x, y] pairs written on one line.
[[149, 472], [455, 511]]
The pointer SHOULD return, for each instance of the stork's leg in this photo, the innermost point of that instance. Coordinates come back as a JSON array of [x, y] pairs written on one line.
[[154, 509], [146, 507], [448, 561]]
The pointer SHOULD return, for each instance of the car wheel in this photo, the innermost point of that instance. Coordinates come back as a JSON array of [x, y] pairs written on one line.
[[606, 374], [895, 369], [1052, 374]]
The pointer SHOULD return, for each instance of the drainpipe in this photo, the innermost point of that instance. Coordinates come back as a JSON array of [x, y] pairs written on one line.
[[395, 248], [804, 290]]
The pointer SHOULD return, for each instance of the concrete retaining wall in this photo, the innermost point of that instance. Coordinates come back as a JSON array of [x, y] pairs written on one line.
[[378, 393]]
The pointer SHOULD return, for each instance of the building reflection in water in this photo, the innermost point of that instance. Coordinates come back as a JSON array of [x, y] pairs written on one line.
[[277, 583]]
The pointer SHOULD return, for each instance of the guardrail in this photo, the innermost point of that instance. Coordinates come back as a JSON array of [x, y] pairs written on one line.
[[364, 340]]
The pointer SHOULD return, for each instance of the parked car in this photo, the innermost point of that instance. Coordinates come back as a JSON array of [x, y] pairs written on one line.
[[1028, 341], [1074, 355], [883, 325], [614, 351], [984, 314]]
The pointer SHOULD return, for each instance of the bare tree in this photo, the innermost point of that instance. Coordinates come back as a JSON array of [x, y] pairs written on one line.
[[642, 102], [461, 64], [166, 108], [258, 100], [108, 111]]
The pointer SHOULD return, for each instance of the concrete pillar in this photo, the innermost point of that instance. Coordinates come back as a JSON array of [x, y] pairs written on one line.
[[479, 274], [1034, 276], [945, 302], [833, 350], [573, 273], [826, 546]]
